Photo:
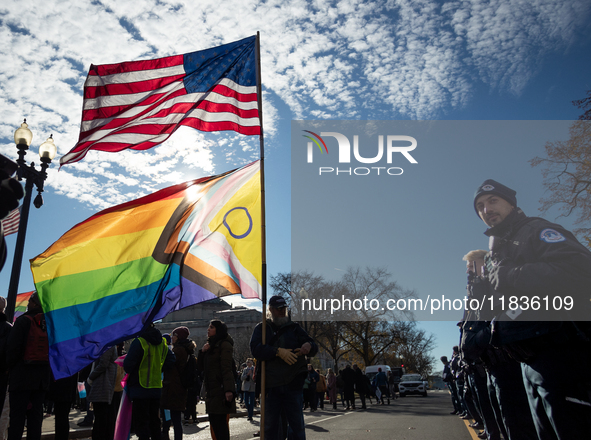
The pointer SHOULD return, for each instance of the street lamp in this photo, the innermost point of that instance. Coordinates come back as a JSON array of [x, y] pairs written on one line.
[[32, 176], [304, 295]]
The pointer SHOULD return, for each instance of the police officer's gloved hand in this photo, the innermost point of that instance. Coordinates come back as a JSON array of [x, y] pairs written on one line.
[[498, 274], [11, 191]]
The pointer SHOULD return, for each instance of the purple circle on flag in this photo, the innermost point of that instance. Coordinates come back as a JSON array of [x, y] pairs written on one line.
[[230, 229]]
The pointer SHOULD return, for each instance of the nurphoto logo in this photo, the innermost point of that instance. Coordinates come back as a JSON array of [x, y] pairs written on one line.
[[394, 144]]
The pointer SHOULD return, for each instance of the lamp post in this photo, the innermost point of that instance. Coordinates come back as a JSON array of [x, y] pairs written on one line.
[[32, 176], [304, 295]]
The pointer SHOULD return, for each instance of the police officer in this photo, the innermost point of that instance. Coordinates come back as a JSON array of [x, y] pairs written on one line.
[[531, 257], [501, 389]]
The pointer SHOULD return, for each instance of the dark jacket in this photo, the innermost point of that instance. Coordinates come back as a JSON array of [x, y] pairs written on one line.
[[217, 366], [348, 375], [447, 376], [543, 259], [23, 376], [475, 339], [360, 381], [313, 378], [174, 395], [290, 336], [132, 361], [63, 390], [456, 368], [5, 328]]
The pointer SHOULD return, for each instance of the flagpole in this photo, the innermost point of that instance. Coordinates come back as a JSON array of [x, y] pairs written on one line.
[[263, 230]]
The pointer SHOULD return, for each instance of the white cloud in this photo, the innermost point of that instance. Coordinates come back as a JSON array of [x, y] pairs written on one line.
[[341, 59]]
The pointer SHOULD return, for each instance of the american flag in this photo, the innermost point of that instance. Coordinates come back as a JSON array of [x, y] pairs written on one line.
[[139, 104], [10, 223]]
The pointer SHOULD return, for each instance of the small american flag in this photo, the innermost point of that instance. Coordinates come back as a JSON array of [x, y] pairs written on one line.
[[139, 104], [10, 223]]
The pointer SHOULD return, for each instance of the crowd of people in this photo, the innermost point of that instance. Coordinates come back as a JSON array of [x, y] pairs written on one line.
[[147, 388], [516, 376], [519, 376], [342, 386]]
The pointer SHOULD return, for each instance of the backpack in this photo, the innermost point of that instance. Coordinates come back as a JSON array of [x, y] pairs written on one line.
[[37, 347], [189, 376]]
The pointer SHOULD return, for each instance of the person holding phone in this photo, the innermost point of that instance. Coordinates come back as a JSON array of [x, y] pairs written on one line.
[[248, 387]]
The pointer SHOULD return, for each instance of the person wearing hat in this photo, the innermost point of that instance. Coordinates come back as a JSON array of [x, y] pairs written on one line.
[[285, 351], [174, 394], [532, 259]]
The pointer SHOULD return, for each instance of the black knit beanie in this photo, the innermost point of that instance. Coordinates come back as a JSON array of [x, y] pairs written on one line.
[[490, 186]]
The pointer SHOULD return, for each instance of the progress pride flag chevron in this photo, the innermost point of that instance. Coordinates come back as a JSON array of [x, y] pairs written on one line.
[[139, 104]]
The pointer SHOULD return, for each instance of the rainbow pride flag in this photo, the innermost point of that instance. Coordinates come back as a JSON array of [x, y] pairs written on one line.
[[112, 275], [22, 301]]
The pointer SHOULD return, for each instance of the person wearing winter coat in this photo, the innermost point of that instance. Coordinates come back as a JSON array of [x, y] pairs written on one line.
[[102, 387], [331, 386], [348, 375], [310, 392], [216, 361], [320, 389], [174, 394], [248, 387], [27, 357], [147, 357], [62, 393], [5, 328]]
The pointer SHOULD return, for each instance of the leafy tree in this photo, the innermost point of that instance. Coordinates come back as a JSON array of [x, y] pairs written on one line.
[[567, 172], [370, 284], [585, 104], [414, 351], [289, 285], [567, 175], [370, 339], [330, 340], [241, 347], [356, 334]]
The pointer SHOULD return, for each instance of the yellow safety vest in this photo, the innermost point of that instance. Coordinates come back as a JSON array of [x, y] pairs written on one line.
[[150, 371]]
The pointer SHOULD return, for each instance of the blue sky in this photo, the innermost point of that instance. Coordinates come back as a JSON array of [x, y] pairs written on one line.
[[417, 60]]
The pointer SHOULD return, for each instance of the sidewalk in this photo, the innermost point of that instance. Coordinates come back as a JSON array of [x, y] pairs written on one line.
[[77, 432]]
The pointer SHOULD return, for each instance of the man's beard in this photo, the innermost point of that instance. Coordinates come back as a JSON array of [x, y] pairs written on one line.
[[279, 321]]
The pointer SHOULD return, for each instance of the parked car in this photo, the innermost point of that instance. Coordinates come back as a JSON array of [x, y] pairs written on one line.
[[412, 384]]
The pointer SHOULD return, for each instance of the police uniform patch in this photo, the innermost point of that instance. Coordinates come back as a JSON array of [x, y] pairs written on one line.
[[551, 236], [488, 188]]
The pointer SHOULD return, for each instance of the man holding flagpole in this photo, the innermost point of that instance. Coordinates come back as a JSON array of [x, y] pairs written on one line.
[[285, 351]]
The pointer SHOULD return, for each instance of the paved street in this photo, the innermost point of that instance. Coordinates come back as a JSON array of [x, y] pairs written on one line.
[[406, 418]]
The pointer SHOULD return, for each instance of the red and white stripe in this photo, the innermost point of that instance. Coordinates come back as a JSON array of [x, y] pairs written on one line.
[[10, 223], [139, 105]]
